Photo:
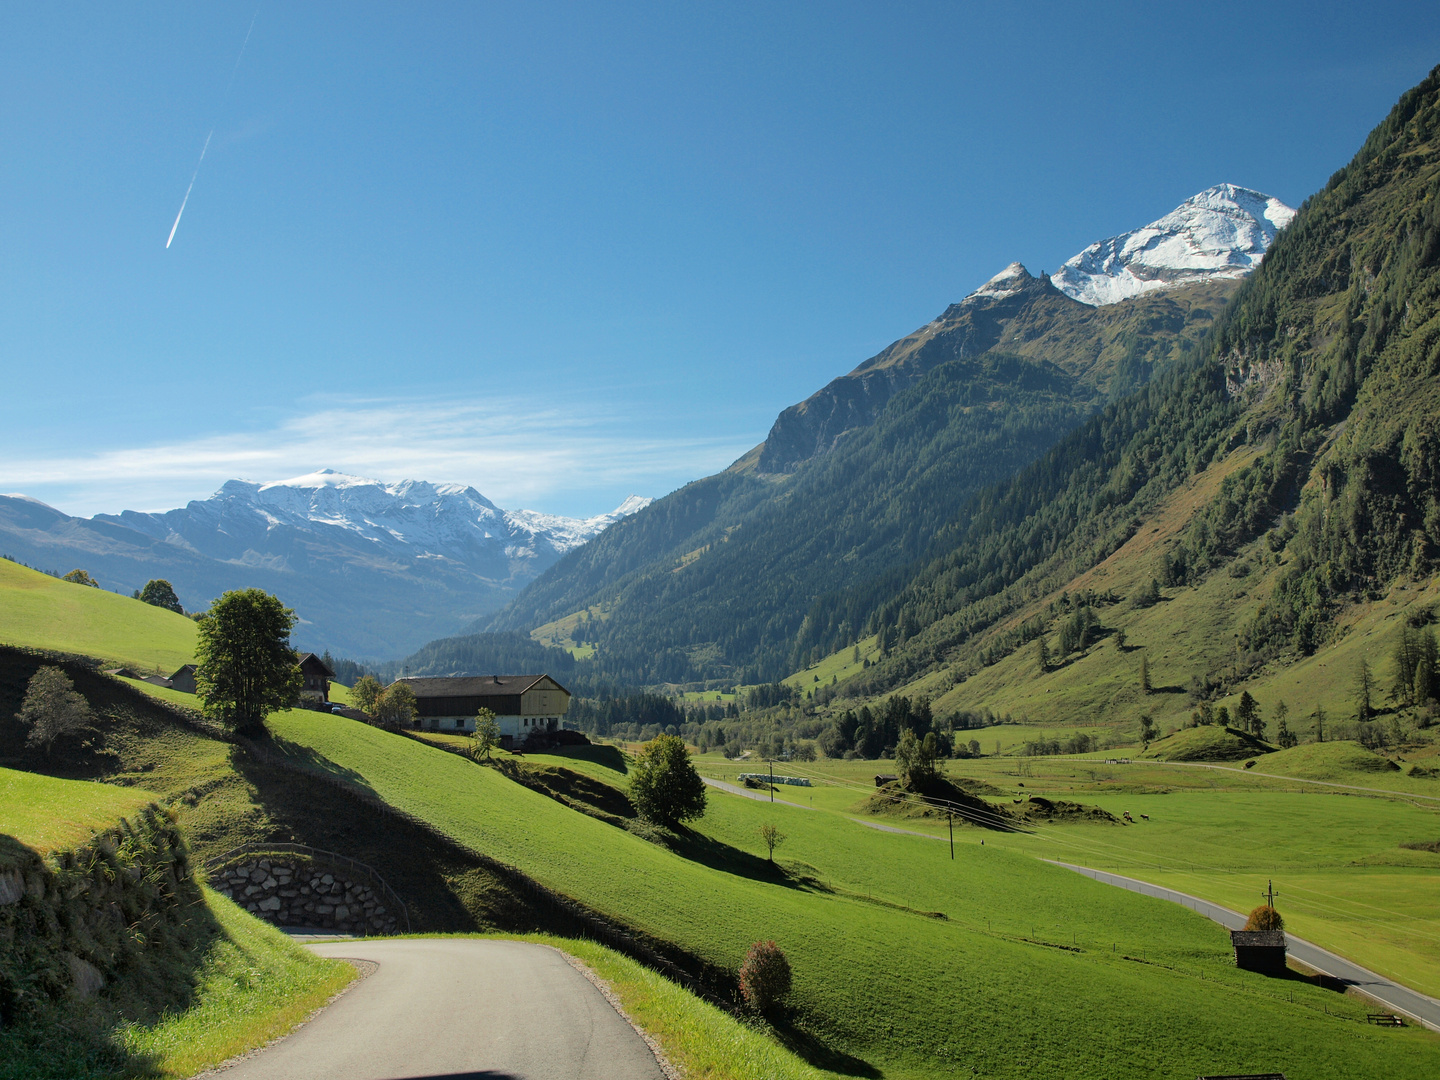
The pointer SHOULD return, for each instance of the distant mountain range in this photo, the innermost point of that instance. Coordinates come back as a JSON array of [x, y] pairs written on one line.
[[372, 569], [716, 580]]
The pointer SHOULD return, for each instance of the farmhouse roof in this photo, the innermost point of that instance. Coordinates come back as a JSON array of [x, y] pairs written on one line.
[[305, 658], [473, 685]]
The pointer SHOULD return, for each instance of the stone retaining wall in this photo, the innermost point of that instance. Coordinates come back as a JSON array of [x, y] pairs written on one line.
[[305, 894]]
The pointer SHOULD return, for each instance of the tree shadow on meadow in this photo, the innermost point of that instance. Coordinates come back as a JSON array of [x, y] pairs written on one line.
[[806, 1045]]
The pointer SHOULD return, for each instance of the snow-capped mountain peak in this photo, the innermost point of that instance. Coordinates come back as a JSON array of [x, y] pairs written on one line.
[[1006, 283], [1223, 232]]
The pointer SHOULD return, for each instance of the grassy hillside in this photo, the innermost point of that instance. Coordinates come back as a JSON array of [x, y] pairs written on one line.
[[47, 814], [228, 797], [855, 911], [42, 612], [1207, 743], [184, 981]]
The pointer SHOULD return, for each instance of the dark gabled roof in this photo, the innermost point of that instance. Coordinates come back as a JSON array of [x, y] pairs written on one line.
[[442, 686], [185, 669], [307, 657]]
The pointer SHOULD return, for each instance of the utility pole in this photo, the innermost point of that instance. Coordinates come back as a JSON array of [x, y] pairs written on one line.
[[1269, 893], [950, 820], [772, 781]]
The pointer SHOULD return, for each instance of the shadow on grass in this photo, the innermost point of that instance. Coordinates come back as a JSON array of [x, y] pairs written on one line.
[[818, 1054], [608, 756], [307, 758], [1317, 978], [718, 855]]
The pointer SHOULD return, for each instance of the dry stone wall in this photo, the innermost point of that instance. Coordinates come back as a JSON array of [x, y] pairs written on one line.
[[305, 894]]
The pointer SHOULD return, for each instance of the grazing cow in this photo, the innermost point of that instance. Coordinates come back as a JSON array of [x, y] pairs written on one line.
[[1145, 816], [1128, 818]]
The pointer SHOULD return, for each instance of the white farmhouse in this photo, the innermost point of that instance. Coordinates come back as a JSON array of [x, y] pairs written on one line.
[[523, 704]]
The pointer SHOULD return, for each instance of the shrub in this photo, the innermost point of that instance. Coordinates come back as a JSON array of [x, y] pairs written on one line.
[[1264, 918], [764, 977]]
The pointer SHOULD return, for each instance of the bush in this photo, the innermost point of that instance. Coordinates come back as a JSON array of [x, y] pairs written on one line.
[[1264, 918], [764, 977]]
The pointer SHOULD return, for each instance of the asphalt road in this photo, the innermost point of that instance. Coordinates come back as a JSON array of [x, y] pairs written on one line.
[[758, 796], [459, 1009], [1402, 999]]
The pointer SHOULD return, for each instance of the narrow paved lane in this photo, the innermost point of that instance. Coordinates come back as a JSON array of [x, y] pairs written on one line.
[[758, 796], [1411, 1003], [459, 1008]]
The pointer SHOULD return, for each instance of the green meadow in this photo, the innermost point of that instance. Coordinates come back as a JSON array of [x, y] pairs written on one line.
[[1223, 834], [905, 960], [42, 612], [48, 814]]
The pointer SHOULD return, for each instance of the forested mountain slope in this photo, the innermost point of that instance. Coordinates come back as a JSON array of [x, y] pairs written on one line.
[[1317, 399], [713, 581]]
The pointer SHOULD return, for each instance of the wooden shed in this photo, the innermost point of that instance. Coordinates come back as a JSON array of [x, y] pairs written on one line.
[[1259, 950]]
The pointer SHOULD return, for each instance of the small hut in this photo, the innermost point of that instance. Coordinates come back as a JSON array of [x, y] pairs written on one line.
[[1262, 951]]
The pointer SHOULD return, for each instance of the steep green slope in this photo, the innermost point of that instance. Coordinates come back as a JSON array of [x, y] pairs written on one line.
[[42, 612], [877, 978], [714, 580], [1323, 370], [116, 961]]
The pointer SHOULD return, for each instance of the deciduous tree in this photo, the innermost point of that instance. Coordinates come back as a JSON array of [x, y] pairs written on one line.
[[486, 737], [366, 692], [52, 708], [773, 837], [81, 577], [247, 668], [160, 593], [396, 708], [664, 785]]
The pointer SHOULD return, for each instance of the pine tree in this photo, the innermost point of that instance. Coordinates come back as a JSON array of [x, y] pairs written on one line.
[[1042, 656], [1247, 716], [1407, 655], [1364, 690], [1426, 687], [1318, 723]]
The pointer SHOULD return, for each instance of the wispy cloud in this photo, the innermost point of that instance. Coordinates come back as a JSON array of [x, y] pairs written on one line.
[[512, 452]]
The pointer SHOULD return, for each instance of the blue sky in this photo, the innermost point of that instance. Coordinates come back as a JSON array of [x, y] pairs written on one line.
[[567, 252]]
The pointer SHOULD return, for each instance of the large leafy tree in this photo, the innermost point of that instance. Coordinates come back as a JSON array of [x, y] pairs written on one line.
[[664, 785], [247, 667], [161, 593]]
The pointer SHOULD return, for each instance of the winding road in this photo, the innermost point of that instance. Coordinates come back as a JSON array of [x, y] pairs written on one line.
[[1423, 1010], [462, 1009]]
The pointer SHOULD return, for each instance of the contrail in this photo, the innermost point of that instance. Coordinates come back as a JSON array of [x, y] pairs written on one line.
[[223, 100], [188, 190]]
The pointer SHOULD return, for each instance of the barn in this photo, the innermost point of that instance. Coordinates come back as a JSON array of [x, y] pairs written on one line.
[[522, 704]]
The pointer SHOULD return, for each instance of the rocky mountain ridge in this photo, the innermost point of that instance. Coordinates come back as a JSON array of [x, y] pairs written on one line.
[[1214, 238]]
